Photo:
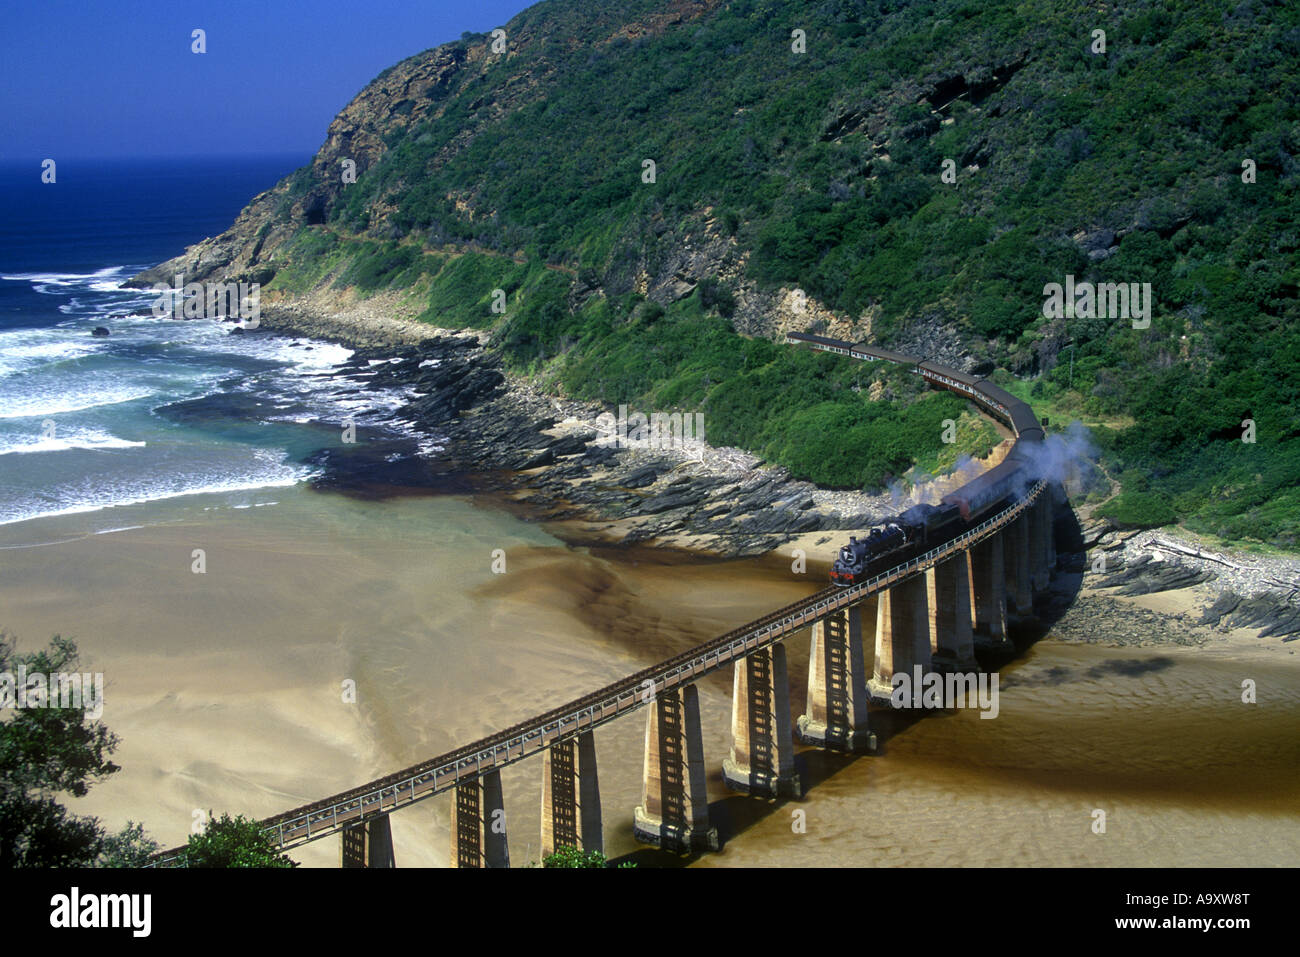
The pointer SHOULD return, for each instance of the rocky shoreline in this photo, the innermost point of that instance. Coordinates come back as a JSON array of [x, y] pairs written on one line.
[[497, 434], [1255, 592]]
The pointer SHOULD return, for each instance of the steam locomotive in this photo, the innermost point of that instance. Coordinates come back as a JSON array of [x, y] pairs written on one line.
[[920, 528], [923, 527]]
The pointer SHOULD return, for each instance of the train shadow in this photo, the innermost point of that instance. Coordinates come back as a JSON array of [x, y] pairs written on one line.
[[735, 814]]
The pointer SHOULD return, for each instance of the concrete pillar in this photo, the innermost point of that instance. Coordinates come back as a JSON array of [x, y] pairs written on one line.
[[1051, 497], [952, 637], [674, 811], [1040, 573], [1049, 532], [902, 637], [571, 796], [762, 746], [837, 680], [369, 844], [1016, 542], [970, 582], [988, 585], [478, 824], [932, 607]]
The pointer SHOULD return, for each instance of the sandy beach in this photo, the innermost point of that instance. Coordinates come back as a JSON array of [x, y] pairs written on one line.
[[225, 688]]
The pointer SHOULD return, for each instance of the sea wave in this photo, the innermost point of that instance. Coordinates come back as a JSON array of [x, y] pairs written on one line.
[[108, 279], [88, 441], [60, 403], [11, 513], [66, 278]]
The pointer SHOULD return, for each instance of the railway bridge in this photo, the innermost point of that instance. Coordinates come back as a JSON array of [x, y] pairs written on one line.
[[929, 612]]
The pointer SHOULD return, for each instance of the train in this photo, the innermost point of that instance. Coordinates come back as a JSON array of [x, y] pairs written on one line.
[[923, 527], [920, 528]]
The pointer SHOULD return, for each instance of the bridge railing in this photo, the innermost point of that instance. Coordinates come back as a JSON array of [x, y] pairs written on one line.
[[349, 808], [318, 822]]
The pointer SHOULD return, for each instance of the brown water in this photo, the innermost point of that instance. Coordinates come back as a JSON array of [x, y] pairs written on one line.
[[226, 691]]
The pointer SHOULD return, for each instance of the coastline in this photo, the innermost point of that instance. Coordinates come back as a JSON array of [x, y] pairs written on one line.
[[229, 697], [539, 457]]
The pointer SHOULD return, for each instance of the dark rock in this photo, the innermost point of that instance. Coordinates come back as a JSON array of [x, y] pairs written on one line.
[[536, 461], [1270, 613], [1225, 603], [688, 496], [99, 332], [571, 444], [640, 478], [1143, 577]]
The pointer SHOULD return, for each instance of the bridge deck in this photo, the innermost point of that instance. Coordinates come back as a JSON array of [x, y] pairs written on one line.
[[330, 815]]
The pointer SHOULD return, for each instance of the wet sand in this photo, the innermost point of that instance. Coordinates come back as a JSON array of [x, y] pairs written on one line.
[[226, 691], [226, 687]]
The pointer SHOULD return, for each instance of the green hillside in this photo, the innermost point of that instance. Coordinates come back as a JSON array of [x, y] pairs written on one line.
[[824, 168]]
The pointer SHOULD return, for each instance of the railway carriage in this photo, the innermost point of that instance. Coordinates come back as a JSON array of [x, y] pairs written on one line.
[[924, 527]]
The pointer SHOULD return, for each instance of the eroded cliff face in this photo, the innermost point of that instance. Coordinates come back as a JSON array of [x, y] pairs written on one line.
[[411, 92], [414, 91], [666, 258]]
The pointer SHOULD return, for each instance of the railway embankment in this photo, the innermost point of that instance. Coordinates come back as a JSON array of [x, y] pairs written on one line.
[[546, 456]]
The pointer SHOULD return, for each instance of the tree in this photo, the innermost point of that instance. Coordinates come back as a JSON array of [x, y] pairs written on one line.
[[130, 847], [45, 751], [234, 842], [566, 856], [1139, 510]]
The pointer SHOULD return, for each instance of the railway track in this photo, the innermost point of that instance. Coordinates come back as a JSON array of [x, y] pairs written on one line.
[[311, 822]]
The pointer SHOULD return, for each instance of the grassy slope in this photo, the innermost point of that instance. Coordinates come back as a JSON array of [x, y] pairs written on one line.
[[1150, 135]]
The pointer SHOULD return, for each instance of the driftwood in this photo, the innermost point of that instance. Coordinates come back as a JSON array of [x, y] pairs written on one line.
[[1193, 552]]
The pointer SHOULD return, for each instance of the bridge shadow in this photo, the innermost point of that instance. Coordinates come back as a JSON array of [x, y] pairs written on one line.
[[735, 814], [1052, 604]]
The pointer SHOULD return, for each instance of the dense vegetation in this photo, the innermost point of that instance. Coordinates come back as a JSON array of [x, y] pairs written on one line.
[[46, 752], [234, 842], [1116, 166], [566, 856]]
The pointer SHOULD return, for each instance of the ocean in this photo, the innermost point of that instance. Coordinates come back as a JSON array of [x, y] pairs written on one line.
[[159, 408], [121, 456]]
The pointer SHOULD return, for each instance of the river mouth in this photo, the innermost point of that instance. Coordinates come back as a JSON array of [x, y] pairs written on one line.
[[225, 689]]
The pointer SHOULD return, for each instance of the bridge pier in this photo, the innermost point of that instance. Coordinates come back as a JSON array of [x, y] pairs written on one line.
[[674, 810], [762, 746], [902, 637], [571, 796], [1039, 525], [478, 824], [368, 844], [837, 681], [988, 588], [949, 594], [1052, 499], [1016, 542]]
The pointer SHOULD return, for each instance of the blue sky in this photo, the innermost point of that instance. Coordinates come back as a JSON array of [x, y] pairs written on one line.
[[94, 79]]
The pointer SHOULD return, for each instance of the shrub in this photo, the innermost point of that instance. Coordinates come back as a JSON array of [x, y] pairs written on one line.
[[1139, 510], [234, 842]]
